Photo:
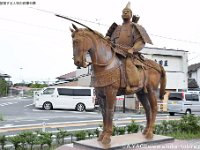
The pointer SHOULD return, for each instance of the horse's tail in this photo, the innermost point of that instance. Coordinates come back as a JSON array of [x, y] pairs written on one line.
[[163, 81]]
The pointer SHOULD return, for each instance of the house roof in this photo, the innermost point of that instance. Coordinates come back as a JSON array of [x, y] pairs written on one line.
[[164, 48], [193, 67], [192, 83], [67, 76], [5, 75]]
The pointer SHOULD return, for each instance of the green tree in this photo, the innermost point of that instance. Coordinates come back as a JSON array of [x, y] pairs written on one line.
[[38, 85], [3, 87], [3, 140]]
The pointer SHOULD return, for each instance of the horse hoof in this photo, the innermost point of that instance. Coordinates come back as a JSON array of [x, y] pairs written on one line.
[[100, 138], [149, 136], [145, 131], [106, 140]]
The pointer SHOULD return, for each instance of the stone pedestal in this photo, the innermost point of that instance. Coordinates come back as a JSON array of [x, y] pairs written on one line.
[[127, 141]]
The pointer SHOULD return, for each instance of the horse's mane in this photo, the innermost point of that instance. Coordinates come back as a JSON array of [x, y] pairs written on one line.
[[92, 31]]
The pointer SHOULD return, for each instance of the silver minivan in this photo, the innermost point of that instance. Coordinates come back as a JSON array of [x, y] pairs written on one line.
[[183, 102]]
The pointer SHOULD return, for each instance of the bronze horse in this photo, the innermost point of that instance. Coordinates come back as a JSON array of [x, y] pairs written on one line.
[[107, 76]]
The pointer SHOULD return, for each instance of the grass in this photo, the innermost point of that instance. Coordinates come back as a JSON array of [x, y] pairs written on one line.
[[185, 136]]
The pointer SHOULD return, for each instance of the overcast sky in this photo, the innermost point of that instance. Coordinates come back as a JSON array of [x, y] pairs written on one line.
[[40, 43]]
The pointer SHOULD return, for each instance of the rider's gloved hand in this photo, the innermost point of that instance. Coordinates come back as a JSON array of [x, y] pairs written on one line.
[[130, 51], [107, 37]]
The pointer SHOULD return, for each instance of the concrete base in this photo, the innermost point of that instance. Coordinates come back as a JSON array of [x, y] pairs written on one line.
[[122, 142]]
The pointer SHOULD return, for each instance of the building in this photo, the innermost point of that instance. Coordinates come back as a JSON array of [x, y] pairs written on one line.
[[68, 79], [194, 75], [5, 76], [175, 63]]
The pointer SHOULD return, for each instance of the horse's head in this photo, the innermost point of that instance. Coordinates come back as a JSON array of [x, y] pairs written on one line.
[[81, 45]]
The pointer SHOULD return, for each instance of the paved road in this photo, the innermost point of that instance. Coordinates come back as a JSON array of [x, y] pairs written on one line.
[[20, 114]]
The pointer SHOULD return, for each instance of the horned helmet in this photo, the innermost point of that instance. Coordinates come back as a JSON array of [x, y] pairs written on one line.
[[127, 12]]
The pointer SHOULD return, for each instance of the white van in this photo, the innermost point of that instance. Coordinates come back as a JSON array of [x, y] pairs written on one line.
[[183, 102], [68, 97]]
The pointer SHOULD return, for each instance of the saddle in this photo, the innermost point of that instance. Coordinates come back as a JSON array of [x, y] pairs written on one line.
[[136, 61], [139, 61]]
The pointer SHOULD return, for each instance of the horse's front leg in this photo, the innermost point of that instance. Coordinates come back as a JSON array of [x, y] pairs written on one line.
[[109, 113], [102, 104]]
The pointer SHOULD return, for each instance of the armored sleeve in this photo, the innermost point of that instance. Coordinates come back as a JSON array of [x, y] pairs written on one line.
[[142, 33]]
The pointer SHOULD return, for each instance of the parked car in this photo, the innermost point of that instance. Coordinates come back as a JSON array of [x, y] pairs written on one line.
[[69, 97], [183, 102]]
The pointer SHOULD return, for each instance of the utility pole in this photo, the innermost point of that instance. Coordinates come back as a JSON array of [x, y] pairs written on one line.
[[124, 107], [22, 92]]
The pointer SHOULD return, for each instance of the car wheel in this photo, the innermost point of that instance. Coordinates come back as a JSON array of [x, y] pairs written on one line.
[[171, 113], [188, 112], [80, 107], [47, 106]]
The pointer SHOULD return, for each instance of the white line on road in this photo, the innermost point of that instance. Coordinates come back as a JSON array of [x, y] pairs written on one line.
[[28, 105], [8, 125], [37, 110], [7, 103], [29, 120]]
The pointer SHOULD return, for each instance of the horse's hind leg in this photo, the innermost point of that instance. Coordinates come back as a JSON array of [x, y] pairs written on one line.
[[153, 103], [145, 103]]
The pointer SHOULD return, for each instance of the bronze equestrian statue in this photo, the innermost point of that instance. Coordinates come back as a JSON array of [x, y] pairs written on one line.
[[115, 60]]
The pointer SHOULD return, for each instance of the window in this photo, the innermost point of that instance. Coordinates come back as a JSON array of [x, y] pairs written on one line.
[[188, 97], [64, 91], [165, 63], [192, 97], [195, 97], [161, 62], [74, 92], [49, 91], [82, 92], [175, 96]]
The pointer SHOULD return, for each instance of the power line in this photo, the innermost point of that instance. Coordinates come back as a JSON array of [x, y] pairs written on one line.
[[194, 57], [85, 20], [187, 41]]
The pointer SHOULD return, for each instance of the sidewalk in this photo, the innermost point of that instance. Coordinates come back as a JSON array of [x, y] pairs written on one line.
[[193, 144]]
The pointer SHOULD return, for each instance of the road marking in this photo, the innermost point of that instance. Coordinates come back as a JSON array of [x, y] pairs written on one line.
[[28, 105], [7, 103], [8, 125], [59, 111], [29, 120], [69, 124], [37, 110]]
